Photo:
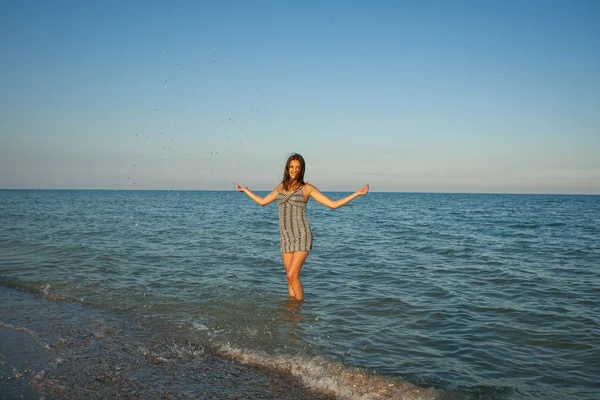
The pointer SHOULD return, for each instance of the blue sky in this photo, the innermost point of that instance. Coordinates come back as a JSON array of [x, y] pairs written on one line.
[[426, 96]]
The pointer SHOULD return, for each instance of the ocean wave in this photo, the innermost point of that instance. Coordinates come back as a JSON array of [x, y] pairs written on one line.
[[42, 289], [330, 377]]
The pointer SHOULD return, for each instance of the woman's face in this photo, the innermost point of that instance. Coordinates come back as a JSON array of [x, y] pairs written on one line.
[[294, 169]]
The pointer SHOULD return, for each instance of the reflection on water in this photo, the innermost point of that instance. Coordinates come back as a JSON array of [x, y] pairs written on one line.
[[292, 310], [291, 315]]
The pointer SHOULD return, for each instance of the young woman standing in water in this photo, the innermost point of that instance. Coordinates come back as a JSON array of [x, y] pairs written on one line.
[[296, 237]]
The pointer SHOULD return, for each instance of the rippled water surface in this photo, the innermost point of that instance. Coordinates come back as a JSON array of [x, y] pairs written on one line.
[[467, 296]]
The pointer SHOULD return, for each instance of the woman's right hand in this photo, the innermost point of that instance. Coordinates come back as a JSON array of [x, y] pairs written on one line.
[[239, 188]]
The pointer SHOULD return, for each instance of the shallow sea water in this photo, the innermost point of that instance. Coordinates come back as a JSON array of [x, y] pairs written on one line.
[[418, 296]]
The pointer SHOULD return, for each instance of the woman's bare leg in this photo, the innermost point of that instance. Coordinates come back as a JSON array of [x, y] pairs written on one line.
[[293, 273], [287, 261]]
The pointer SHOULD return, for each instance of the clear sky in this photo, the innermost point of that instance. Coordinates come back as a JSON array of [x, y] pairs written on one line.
[[426, 96]]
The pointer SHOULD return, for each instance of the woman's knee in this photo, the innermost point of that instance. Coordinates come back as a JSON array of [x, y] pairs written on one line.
[[292, 277]]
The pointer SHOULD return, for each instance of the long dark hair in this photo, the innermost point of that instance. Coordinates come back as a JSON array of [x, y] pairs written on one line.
[[287, 181]]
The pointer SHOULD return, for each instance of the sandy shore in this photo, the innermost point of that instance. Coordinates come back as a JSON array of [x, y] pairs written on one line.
[[16, 356]]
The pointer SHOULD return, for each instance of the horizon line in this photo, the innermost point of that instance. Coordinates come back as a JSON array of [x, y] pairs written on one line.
[[329, 191]]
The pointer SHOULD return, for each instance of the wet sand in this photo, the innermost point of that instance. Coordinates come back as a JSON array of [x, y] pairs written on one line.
[[54, 349], [16, 355]]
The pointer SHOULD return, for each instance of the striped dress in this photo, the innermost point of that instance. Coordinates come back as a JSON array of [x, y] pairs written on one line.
[[293, 224]]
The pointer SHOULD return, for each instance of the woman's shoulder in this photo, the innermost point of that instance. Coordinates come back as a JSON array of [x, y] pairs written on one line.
[[308, 188]]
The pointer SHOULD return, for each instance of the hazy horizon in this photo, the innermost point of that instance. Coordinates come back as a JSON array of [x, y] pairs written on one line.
[[267, 191]]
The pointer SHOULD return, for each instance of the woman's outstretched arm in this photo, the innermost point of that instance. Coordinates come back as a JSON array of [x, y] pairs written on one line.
[[326, 201], [263, 201]]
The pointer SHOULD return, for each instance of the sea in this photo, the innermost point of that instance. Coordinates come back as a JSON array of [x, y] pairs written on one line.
[[183, 294]]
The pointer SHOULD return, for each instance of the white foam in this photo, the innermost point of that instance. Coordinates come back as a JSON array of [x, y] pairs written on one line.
[[330, 377], [45, 291], [32, 334], [199, 327]]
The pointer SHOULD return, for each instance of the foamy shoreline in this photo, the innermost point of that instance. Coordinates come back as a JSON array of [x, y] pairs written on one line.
[[51, 349]]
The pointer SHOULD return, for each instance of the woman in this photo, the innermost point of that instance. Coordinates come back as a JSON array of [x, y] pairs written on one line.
[[296, 237]]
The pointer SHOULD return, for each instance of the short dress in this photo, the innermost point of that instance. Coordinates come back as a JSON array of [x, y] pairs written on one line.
[[293, 224]]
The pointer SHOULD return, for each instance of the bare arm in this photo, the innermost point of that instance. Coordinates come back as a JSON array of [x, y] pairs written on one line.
[[263, 201], [326, 201]]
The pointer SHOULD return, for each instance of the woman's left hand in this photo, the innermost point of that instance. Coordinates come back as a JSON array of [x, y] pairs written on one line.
[[363, 191]]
